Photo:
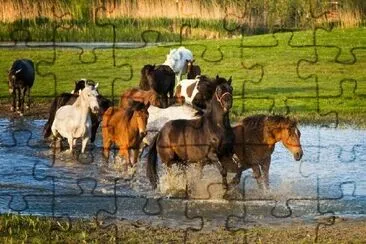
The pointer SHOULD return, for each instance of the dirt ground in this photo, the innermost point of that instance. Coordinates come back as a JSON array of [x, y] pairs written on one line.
[[38, 110]]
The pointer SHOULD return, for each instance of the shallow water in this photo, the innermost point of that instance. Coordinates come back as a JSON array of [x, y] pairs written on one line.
[[34, 179]]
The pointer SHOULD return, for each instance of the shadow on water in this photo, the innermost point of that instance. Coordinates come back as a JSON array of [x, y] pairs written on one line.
[[330, 179]]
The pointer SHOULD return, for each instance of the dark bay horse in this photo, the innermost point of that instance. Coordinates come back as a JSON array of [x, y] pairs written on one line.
[[139, 95], [126, 127], [20, 80], [68, 99], [255, 139], [192, 70], [206, 139], [160, 78]]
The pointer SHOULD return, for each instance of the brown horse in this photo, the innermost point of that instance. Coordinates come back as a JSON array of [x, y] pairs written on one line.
[[126, 127], [192, 70], [204, 139], [139, 95], [255, 139]]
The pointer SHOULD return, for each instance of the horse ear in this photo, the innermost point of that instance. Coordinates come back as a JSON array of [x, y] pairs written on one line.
[[217, 77], [96, 86], [229, 81]]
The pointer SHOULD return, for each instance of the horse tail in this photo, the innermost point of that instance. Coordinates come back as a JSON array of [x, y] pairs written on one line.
[[47, 127], [151, 171]]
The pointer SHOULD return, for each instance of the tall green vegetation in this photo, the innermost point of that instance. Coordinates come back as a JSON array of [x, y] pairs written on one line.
[[82, 20]]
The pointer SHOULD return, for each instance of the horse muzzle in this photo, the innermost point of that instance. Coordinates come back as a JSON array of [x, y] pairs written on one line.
[[143, 134], [95, 110], [298, 155]]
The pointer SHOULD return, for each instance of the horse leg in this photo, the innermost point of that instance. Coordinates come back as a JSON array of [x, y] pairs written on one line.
[[22, 95], [13, 106], [106, 146], [28, 98], [257, 175], [126, 155], [83, 144], [17, 95], [213, 157], [70, 140], [265, 170]]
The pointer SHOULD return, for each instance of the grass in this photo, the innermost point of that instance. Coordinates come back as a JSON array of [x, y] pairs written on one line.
[[280, 73], [31, 229]]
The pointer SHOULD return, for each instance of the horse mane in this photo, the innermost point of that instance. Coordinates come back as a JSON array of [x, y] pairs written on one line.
[[133, 106], [272, 121]]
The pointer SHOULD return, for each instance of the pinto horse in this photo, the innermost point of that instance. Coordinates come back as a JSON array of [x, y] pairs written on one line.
[[139, 95], [73, 121], [68, 99], [20, 80], [199, 91], [161, 79], [177, 60], [255, 139], [204, 139], [126, 127]]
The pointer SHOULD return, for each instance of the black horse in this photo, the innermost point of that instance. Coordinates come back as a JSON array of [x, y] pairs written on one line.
[[70, 98], [206, 139], [20, 80], [161, 78]]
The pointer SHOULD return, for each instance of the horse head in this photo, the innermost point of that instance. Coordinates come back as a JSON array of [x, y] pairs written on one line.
[[224, 94], [141, 115], [80, 85], [90, 94], [290, 136]]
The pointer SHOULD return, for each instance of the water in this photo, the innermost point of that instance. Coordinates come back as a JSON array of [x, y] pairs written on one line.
[[329, 180]]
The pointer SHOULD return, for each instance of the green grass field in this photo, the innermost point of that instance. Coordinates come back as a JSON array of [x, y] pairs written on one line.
[[280, 73]]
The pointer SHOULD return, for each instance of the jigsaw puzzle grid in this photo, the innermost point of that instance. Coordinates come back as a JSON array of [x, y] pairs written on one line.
[[110, 204]]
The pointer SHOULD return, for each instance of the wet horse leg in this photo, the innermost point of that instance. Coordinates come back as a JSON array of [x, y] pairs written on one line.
[[237, 177], [28, 98], [213, 157], [257, 175], [83, 143], [265, 170]]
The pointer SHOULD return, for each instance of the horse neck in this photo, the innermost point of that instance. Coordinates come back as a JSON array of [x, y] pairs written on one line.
[[82, 105], [219, 117], [274, 133]]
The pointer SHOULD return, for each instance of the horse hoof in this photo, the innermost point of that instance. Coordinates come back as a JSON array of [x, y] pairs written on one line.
[[12, 109]]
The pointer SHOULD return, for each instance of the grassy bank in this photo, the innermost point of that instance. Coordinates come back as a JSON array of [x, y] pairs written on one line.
[[28, 229], [280, 73]]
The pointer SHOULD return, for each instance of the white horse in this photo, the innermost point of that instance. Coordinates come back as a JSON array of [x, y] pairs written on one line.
[[177, 61], [73, 121]]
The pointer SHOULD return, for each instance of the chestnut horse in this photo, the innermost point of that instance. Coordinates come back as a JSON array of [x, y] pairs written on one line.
[[126, 127], [139, 95], [206, 139], [255, 139]]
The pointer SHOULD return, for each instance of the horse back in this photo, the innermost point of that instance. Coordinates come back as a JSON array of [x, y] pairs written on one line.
[[26, 75]]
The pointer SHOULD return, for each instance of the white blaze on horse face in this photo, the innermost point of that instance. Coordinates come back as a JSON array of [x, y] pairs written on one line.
[[91, 96]]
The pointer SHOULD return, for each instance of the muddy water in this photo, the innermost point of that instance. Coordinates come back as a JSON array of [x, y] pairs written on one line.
[[34, 179]]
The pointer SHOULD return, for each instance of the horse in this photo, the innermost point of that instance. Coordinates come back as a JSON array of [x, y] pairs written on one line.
[[177, 60], [255, 139], [139, 95], [73, 121], [126, 127], [69, 99], [208, 138], [197, 92], [161, 79], [192, 70], [20, 81]]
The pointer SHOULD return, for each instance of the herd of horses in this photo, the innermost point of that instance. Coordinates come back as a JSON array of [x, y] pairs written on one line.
[[209, 138]]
